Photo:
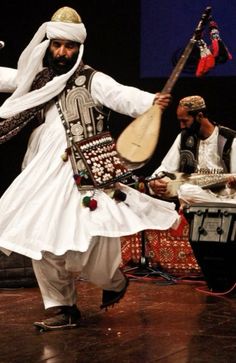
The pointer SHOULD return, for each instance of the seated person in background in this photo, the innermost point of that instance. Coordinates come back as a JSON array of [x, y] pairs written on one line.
[[202, 147]]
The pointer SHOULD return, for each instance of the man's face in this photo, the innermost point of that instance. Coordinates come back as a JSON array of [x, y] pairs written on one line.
[[192, 123], [62, 55]]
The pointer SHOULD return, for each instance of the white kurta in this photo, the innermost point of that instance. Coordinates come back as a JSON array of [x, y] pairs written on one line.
[[42, 209], [208, 158], [208, 155]]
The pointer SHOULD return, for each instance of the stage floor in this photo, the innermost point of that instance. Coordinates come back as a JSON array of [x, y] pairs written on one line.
[[155, 322]]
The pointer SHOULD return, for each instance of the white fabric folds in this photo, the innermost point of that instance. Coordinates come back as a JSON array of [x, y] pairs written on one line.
[[30, 63], [42, 210]]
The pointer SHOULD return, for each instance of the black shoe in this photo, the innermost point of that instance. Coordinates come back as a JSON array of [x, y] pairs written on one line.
[[68, 317], [110, 297]]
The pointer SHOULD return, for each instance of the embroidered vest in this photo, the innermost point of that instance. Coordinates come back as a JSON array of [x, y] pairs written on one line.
[[189, 146], [188, 152], [81, 117], [90, 117], [84, 117], [226, 137], [11, 126]]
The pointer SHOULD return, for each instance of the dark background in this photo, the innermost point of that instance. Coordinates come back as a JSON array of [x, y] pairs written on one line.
[[112, 46]]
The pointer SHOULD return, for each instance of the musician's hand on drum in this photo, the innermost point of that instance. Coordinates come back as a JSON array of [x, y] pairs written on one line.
[[162, 100], [158, 186], [231, 182]]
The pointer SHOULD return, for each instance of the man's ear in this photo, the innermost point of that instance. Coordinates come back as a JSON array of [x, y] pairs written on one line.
[[199, 116]]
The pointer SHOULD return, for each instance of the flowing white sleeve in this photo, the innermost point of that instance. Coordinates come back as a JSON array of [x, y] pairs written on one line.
[[233, 157], [7, 79], [126, 100], [171, 161]]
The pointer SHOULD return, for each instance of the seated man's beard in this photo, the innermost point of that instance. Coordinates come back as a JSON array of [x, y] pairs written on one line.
[[194, 128], [61, 64]]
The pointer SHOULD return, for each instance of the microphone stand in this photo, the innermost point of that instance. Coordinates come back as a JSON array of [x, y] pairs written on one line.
[[144, 267]]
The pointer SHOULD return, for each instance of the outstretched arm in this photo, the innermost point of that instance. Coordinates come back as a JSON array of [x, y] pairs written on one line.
[[7, 80], [124, 99]]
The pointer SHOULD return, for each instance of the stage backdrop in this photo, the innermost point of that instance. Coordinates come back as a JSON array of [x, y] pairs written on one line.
[[167, 26], [115, 29]]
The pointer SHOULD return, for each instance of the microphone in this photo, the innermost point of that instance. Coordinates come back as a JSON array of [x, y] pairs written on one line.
[[2, 44]]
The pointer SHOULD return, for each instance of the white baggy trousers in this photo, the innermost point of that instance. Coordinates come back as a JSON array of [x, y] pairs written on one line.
[[100, 264]]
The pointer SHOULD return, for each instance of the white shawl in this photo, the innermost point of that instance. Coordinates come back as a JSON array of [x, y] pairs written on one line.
[[30, 63]]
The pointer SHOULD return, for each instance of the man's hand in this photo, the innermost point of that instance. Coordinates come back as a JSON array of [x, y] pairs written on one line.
[[162, 100], [158, 186], [231, 182]]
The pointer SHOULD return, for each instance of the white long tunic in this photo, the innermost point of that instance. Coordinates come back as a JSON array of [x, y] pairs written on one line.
[[209, 159], [42, 209], [208, 155]]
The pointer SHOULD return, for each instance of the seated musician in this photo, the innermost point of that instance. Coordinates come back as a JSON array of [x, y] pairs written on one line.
[[202, 146]]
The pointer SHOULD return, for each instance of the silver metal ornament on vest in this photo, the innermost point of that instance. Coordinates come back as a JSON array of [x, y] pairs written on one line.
[[84, 117], [190, 141], [80, 81]]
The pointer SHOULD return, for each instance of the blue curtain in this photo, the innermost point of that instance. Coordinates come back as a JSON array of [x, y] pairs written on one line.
[[167, 26]]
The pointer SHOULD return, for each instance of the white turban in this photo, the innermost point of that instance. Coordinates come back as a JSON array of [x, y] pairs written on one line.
[[31, 62]]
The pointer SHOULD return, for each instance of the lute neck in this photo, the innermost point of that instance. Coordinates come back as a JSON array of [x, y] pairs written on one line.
[[187, 51], [179, 67]]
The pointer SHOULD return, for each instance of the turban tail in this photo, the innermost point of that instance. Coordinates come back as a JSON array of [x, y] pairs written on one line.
[[31, 62]]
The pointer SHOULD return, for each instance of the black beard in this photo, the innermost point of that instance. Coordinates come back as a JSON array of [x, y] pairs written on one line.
[[194, 128], [60, 65]]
